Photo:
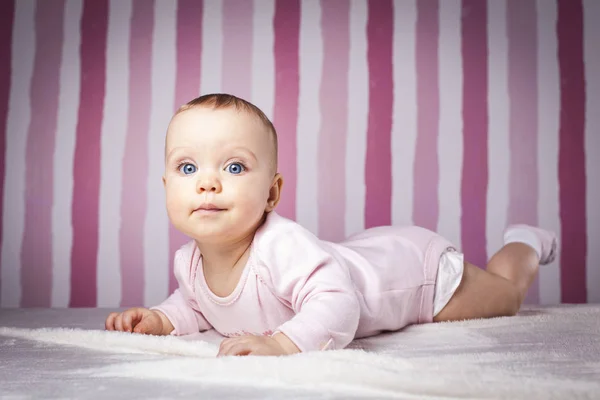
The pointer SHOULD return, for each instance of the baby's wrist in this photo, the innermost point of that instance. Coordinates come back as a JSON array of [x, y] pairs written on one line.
[[167, 326], [286, 343]]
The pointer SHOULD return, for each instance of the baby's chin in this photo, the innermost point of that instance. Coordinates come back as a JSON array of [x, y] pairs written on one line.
[[218, 236]]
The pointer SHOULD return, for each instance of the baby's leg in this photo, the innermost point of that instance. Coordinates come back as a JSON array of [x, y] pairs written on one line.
[[500, 289]]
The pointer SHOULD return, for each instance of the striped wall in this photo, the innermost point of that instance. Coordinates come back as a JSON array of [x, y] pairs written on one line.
[[457, 115]]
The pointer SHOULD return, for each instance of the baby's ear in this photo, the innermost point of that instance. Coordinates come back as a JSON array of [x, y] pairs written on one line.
[[274, 193]]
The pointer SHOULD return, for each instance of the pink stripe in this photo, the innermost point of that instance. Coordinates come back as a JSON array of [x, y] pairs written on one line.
[[237, 48], [135, 160], [86, 167], [335, 26], [378, 168], [36, 250], [426, 172], [571, 155], [286, 26], [187, 86], [7, 12], [522, 89], [475, 134]]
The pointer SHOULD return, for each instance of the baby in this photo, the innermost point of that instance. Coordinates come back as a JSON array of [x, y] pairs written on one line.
[[273, 288]]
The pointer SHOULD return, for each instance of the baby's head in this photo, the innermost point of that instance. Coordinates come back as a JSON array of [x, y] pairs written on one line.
[[220, 168]]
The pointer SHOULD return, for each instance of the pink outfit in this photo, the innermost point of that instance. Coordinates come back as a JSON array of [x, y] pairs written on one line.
[[320, 294]]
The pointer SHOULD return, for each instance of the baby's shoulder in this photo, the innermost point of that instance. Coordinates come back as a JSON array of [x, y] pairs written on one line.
[[283, 252], [283, 234], [185, 254]]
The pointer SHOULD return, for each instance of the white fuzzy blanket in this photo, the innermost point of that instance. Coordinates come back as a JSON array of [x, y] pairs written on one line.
[[543, 353]]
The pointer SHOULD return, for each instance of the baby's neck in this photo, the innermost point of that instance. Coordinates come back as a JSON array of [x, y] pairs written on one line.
[[218, 259]]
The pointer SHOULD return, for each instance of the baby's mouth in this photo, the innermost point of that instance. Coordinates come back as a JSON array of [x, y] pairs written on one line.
[[208, 209]]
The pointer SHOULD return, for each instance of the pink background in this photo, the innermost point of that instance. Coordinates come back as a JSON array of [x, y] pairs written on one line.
[[459, 116]]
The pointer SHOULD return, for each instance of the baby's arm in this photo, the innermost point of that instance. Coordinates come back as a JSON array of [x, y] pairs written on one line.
[[327, 311], [326, 306], [184, 319], [174, 316], [317, 287]]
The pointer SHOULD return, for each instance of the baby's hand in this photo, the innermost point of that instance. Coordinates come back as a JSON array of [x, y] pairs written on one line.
[[251, 345], [139, 320]]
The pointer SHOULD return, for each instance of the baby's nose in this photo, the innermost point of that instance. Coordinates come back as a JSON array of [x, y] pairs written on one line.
[[209, 184]]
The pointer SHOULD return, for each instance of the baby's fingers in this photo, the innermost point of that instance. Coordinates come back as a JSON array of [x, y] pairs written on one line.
[[226, 345], [119, 322], [240, 349], [238, 346], [129, 320], [109, 324], [146, 326]]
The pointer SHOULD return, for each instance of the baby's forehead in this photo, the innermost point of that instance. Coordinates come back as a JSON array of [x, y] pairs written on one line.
[[229, 125], [222, 121]]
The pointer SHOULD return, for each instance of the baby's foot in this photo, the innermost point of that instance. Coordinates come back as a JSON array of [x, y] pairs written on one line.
[[543, 242]]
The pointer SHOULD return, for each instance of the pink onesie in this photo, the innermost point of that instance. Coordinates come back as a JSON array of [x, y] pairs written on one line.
[[320, 294]]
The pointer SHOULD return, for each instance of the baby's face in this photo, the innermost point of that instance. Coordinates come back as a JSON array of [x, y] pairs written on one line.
[[218, 173]]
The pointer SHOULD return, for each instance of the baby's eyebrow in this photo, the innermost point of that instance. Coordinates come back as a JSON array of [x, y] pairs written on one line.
[[245, 150], [174, 151]]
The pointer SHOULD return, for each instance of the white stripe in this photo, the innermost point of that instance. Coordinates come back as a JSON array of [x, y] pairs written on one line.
[[309, 116], [263, 59], [64, 153], [358, 118], [156, 226], [548, 141], [19, 115], [498, 126], [112, 148], [212, 44], [404, 123], [450, 141], [591, 11]]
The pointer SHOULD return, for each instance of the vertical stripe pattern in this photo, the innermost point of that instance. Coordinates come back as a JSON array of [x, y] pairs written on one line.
[[86, 168], [135, 160], [475, 117], [7, 11], [310, 71], [548, 144], [36, 260], [378, 171], [17, 123], [237, 48], [426, 209], [62, 235], [405, 110], [522, 90], [461, 116], [571, 161], [158, 258], [112, 152], [358, 101], [591, 9], [450, 142], [334, 117], [497, 200], [286, 25]]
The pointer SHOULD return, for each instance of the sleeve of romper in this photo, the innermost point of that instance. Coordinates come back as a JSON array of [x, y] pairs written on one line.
[[184, 318], [177, 307], [318, 289]]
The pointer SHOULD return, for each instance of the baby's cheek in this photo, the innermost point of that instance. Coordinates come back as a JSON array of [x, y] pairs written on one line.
[[175, 207]]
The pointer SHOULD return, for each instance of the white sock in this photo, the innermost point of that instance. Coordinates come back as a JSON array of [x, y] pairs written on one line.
[[520, 235]]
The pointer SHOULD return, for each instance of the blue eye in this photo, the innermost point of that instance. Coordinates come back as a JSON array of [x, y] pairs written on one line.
[[187, 168], [235, 168]]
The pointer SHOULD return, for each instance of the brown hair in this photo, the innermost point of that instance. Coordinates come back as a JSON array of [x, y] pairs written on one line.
[[224, 100]]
